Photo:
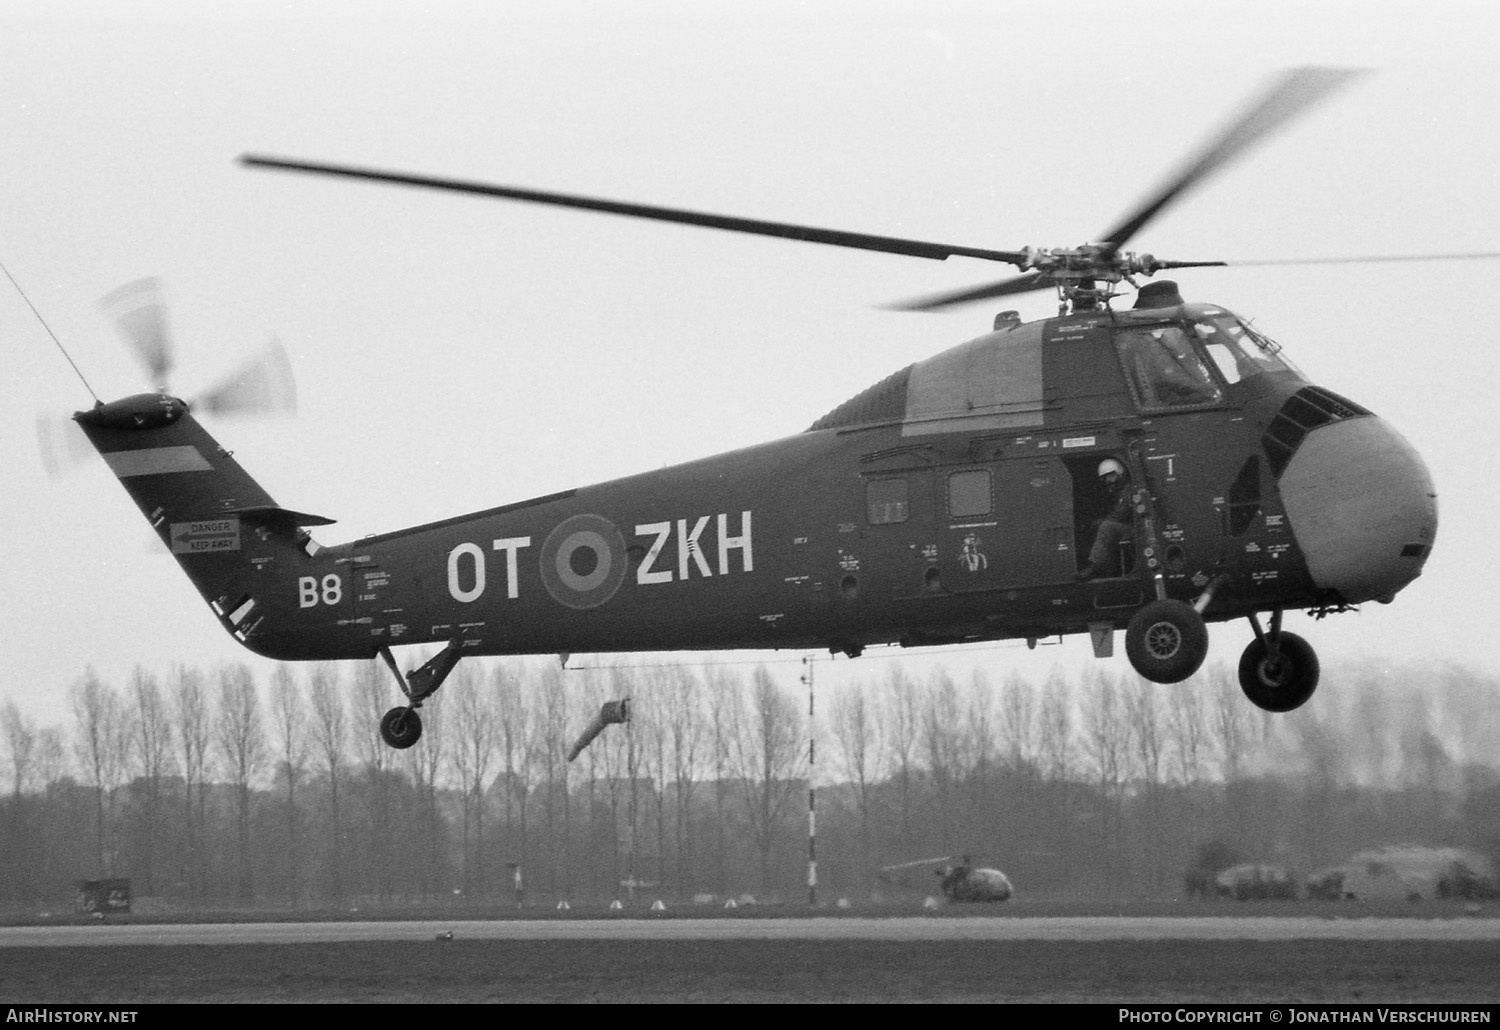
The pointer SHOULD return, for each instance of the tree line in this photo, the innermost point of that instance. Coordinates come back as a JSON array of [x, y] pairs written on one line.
[[211, 789]]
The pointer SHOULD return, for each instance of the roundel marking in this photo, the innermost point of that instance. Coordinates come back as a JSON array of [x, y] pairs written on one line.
[[583, 561]]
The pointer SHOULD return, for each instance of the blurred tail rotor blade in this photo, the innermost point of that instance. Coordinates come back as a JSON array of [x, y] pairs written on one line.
[[138, 310], [62, 444], [1292, 94], [262, 386]]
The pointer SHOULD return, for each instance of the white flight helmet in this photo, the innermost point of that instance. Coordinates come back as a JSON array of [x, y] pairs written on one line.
[[1109, 465]]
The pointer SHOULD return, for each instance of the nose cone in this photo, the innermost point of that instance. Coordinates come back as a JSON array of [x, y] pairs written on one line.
[[1362, 507]]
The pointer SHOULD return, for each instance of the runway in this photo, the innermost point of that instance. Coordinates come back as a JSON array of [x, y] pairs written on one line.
[[1317, 957], [913, 929]]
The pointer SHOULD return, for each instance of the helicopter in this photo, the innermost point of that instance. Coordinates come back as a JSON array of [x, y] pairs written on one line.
[[963, 881], [1149, 469]]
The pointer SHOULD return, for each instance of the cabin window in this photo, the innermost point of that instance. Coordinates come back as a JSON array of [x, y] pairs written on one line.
[[1166, 368], [1238, 350], [969, 493], [886, 501]]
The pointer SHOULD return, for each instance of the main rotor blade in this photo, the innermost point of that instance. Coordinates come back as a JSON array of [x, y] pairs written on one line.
[[1293, 93], [917, 862], [262, 386], [937, 301], [141, 316], [1486, 255], [806, 233]]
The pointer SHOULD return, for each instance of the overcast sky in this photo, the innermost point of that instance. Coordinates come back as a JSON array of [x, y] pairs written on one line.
[[454, 353]]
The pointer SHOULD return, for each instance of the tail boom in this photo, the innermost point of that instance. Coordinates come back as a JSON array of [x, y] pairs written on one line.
[[235, 543]]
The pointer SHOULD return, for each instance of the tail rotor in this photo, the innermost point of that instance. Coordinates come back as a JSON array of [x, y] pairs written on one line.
[[262, 385]]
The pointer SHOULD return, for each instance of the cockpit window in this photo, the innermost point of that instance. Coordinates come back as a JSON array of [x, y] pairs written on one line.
[[1238, 350], [1167, 370]]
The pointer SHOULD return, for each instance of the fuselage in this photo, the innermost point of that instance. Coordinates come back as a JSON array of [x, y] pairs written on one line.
[[955, 500]]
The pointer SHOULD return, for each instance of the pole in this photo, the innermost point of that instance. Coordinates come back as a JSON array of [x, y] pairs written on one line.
[[812, 790]]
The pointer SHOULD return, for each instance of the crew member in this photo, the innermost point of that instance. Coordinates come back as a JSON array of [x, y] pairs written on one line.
[[1115, 526]]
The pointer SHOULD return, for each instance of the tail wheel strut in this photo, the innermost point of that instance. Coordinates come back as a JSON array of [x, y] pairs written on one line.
[[401, 727]]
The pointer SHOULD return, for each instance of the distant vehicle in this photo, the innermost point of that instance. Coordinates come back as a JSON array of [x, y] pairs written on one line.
[[1328, 884], [1407, 872], [961, 882], [1252, 881]]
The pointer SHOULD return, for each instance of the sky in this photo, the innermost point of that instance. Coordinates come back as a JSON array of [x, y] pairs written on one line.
[[456, 353]]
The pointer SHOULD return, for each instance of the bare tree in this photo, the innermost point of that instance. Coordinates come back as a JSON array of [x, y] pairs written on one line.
[[685, 725], [426, 763], [941, 739], [1188, 719], [654, 736], [624, 759], [472, 750], [1018, 725], [371, 700], [1055, 728], [101, 746], [242, 741], [20, 739], [515, 723], [192, 713], [1230, 723], [769, 754], [592, 688], [555, 711], [330, 736], [618, 751], [290, 743], [18, 840], [902, 721], [724, 703], [1147, 730], [51, 756], [1106, 735], [979, 752], [855, 718], [153, 753]]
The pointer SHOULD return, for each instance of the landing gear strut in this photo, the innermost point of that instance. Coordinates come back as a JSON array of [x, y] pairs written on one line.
[[1166, 641], [401, 727], [1278, 671]]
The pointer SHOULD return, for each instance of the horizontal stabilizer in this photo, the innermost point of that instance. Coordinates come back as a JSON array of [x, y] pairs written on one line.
[[273, 517]]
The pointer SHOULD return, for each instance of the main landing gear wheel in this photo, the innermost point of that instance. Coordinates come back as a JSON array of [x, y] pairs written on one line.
[[401, 727], [1280, 682], [1166, 641]]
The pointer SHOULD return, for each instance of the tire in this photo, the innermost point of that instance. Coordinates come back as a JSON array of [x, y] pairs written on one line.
[[401, 728], [1166, 641], [1284, 684]]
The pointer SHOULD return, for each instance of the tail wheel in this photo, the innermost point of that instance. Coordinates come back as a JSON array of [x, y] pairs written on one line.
[[1166, 641], [1283, 682], [401, 728]]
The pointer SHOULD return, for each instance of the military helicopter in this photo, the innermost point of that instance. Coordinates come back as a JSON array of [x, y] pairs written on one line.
[[963, 881], [959, 499]]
